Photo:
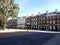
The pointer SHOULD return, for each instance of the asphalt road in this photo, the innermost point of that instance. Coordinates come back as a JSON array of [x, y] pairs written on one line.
[[32, 38]]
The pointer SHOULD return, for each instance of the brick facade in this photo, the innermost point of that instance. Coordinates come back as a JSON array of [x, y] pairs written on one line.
[[46, 21]]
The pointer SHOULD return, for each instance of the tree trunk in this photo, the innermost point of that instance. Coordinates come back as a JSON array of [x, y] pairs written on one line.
[[2, 28]]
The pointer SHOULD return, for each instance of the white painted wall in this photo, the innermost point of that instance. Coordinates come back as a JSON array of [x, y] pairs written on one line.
[[21, 22]]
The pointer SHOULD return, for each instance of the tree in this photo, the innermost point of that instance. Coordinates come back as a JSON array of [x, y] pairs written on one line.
[[8, 8]]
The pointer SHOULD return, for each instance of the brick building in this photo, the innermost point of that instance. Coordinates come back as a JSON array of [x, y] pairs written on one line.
[[53, 21], [34, 22], [42, 21], [28, 23], [45, 21]]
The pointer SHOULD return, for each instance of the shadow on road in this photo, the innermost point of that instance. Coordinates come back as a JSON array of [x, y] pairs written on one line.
[[33, 38]]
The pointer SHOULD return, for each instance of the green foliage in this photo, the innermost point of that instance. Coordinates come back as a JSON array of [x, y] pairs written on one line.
[[7, 9]]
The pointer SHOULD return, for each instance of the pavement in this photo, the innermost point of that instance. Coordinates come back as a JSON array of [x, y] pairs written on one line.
[[25, 30], [30, 37]]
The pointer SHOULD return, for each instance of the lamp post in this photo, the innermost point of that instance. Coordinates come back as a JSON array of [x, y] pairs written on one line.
[[27, 23], [31, 26], [38, 27], [27, 27]]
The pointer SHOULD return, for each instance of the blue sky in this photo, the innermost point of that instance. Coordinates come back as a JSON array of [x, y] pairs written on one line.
[[28, 7]]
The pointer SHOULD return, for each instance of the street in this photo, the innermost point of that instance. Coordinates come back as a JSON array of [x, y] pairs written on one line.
[[27, 38]]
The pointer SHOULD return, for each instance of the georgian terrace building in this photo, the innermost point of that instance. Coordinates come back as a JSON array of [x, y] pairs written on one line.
[[53, 21], [45, 21], [42, 21], [36, 22], [28, 23], [31, 22]]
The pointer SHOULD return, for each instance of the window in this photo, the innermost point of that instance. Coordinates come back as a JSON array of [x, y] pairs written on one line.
[[44, 26], [53, 17], [50, 17], [58, 27], [50, 27], [36, 23], [47, 17], [36, 26], [53, 27], [54, 22], [50, 22], [44, 18], [36, 18], [58, 21], [58, 16], [47, 21], [41, 18], [32, 19]]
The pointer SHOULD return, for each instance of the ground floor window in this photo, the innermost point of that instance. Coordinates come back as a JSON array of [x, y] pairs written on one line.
[[50, 27], [33, 26], [44, 26], [53, 27], [36, 26], [58, 27]]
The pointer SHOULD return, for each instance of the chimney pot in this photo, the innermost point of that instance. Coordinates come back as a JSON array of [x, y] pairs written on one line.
[[38, 13], [55, 10], [46, 11]]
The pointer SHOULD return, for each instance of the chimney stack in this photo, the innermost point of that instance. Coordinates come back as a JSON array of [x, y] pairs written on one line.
[[32, 14], [38, 13], [55, 10], [27, 15], [46, 12]]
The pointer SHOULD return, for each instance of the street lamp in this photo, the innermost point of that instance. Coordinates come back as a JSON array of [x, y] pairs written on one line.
[[38, 27], [27, 26], [31, 26]]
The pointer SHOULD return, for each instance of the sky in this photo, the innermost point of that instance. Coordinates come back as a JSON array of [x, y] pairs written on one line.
[[29, 7]]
